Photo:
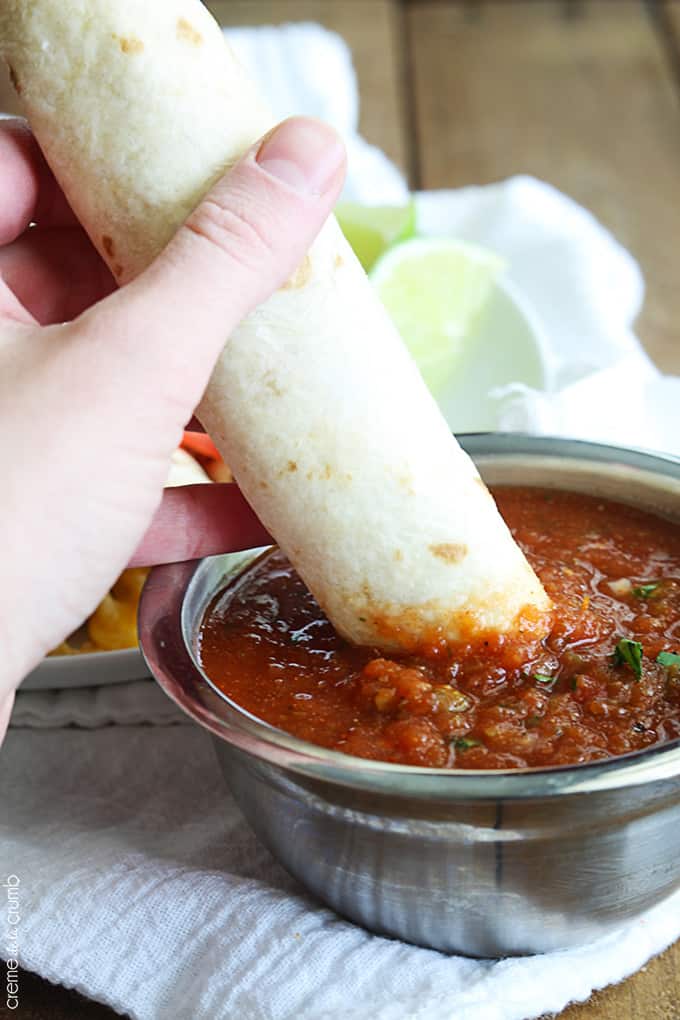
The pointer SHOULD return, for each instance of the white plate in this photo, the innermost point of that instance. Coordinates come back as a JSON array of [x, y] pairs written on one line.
[[91, 669], [507, 347]]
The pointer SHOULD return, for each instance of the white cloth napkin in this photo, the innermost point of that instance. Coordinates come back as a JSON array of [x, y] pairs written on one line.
[[139, 882], [586, 291], [142, 886]]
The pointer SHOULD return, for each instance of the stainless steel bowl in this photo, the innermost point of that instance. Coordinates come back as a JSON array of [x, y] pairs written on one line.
[[482, 863]]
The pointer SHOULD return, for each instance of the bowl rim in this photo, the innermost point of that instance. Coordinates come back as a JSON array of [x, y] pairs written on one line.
[[162, 637]]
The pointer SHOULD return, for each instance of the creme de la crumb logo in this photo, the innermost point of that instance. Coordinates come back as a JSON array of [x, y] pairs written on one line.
[[11, 940]]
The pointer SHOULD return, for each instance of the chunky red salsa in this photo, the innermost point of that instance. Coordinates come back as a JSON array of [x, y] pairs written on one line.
[[604, 682]]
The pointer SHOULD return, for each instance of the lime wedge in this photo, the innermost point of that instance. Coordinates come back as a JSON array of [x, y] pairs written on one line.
[[434, 289], [371, 229]]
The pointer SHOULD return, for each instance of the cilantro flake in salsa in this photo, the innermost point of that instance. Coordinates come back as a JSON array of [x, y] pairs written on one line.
[[604, 682]]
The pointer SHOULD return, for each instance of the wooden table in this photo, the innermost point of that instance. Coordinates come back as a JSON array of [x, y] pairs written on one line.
[[583, 93]]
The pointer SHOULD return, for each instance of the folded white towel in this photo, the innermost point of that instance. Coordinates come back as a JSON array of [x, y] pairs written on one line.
[[142, 886]]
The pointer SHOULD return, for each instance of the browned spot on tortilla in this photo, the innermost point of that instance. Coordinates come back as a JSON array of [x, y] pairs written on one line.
[[450, 552], [339, 261], [108, 245], [398, 555], [187, 33], [130, 44], [327, 471], [271, 384], [406, 482], [14, 78], [292, 466], [301, 275]]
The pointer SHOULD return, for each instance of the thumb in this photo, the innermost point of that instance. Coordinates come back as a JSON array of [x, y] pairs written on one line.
[[6, 705], [244, 241]]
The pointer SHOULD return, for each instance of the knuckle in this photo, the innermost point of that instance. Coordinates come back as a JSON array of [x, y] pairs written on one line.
[[234, 230]]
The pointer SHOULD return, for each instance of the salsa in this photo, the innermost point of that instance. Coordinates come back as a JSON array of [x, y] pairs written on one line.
[[604, 682]]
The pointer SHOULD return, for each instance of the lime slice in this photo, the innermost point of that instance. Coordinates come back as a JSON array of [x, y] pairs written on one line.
[[371, 229], [434, 289]]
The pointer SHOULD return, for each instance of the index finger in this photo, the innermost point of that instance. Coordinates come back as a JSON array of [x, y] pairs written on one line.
[[34, 195], [199, 520]]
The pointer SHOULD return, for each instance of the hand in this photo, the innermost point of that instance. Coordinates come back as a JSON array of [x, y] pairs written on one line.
[[96, 384]]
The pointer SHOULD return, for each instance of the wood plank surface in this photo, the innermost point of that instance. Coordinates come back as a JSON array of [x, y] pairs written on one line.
[[372, 30], [670, 10], [667, 14], [582, 95], [40, 1000], [651, 994]]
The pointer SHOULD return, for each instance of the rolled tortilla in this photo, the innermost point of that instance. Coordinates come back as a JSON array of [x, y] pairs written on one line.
[[139, 105]]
